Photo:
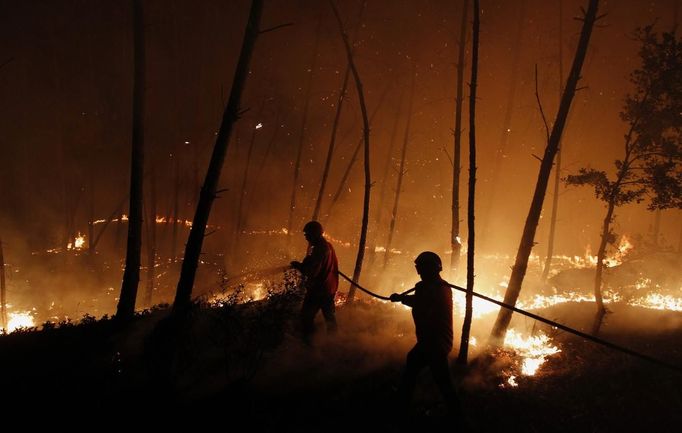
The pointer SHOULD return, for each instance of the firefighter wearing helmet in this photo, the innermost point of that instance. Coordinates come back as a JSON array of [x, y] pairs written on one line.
[[431, 306]]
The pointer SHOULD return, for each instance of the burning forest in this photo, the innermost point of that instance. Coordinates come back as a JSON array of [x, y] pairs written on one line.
[[409, 215]]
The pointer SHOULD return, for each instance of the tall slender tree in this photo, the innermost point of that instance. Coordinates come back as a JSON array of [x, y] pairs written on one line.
[[455, 239], [131, 274], [471, 241], [335, 126], [190, 262], [401, 169], [368, 182], [528, 237]]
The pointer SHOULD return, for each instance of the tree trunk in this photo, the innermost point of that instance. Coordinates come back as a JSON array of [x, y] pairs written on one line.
[[368, 181], [335, 125], [151, 242], [354, 157], [601, 255], [131, 274], [557, 168], [245, 178], [190, 262], [301, 142], [527, 239], [401, 170], [385, 177], [3, 291], [330, 151], [466, 326], [455, 239]]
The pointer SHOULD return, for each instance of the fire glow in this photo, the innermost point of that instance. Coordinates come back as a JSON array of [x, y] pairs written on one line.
[[534, 350], [19, 319]]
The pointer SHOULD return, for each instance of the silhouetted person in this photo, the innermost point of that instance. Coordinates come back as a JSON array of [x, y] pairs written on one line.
[[432, 313], [320, 269]]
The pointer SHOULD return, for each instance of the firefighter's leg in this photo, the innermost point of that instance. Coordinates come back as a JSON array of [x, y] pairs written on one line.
[[308, 312], [328, 310], [416, 361]]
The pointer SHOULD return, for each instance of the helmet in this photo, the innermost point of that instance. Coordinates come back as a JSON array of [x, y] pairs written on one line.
[[313, 228], [430, 259]]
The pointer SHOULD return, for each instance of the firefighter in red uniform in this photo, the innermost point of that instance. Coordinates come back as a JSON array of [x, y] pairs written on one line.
[[432, 313], [320, 269]]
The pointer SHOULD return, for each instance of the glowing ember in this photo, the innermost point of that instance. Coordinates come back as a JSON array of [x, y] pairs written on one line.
[[534, 350], [19, 319], [511, 380]]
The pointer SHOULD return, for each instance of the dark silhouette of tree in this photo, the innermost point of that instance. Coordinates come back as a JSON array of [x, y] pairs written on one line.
[[455, 239], [131, 274], [471, 235], [651, 164], [401, 169], [528, 237], [208, 192], [368, 182]]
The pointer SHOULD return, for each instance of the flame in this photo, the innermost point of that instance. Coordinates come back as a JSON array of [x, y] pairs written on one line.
[[658, 301], [534, 350], [77, 244], [19, 319]]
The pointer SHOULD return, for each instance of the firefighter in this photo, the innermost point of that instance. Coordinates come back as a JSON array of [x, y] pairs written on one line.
[[320, 270], [431, 306]]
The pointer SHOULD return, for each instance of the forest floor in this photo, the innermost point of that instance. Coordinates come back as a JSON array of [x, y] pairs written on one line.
[[244, 365]]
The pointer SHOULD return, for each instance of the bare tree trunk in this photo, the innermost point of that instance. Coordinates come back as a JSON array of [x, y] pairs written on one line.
[[131, 275], [245, 178], [528, 237], [151, 242], [330, 151], [506, 123], [190, 262], [342, 184], [301, 142], [386, 178], [466, 326], [368, 182], [557, 168], [401, 170], [455, 240], [335, 125], [3, 291]]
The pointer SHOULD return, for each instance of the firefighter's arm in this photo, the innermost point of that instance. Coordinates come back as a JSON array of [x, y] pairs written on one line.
[[405, 299]]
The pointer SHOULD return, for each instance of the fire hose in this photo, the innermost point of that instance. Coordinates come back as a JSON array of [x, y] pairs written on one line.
[[540, 319], [601, 341]]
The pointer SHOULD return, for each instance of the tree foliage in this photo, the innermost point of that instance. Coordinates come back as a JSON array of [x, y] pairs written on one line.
[[651, 167]]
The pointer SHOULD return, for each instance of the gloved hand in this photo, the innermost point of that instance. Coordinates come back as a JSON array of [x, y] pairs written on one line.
[[296, 265], [396, 297]]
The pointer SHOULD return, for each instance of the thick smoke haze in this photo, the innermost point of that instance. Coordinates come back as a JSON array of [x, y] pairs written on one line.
[[65, 125]]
